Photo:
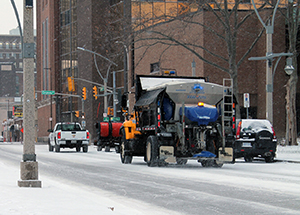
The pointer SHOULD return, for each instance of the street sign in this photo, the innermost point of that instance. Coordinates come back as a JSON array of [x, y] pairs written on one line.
[[48, 92], [101, 89], [115, 119], [246, 100], [106, 119]]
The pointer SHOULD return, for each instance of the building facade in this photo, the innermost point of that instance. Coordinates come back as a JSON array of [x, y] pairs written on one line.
[[62, 26], [11, 87], [160, 53], [96, 26]]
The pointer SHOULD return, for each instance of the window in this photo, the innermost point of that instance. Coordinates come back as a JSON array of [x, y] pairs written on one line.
[[7, 45], [1, 45], [14, 45], [6, 67], [154, 68]]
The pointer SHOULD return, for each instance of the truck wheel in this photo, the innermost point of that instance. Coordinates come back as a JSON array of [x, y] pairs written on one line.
[[181, 161], [152, 151], [107, 148], [248, 159], [99, 148], [77, 148], [50, 146], [126, 159], [57, 148], [217, 164], [85, 148], [269, 159], [117, 148], [207, 163]]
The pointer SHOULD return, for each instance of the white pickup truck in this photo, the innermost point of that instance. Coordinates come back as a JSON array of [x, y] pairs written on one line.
[[68, 135]]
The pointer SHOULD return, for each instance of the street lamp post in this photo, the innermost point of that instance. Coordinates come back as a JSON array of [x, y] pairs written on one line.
[[29, 165], [269, 58], [126, 68]]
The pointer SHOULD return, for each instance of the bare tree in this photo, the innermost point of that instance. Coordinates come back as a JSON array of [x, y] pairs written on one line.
[[293, 28], [227, 19]]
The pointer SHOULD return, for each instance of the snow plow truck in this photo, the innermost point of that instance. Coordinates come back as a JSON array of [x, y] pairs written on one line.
[[176, 119]]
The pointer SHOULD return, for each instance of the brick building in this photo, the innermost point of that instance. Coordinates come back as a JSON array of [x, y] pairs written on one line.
[[64, 25], [251, 74]]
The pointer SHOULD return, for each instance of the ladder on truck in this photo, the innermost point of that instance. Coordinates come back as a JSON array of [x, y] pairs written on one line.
[[228, 112]]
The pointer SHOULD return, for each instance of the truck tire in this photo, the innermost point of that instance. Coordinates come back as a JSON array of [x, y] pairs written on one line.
[[181, 161], [125, 159], [77, 148], [99, 146], [207, 163], [269, 159], [57, 148], [50, 146], [107, 148], [152, 151], [85, 148], [248, 159]]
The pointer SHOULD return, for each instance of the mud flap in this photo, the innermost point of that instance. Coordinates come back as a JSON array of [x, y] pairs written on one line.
[[166, 153], [226, 156]]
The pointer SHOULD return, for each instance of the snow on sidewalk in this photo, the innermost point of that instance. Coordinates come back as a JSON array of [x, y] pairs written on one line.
[[63, 199], [289, 153]]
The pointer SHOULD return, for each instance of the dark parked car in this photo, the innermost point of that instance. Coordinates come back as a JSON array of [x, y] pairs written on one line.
[[255, 138]]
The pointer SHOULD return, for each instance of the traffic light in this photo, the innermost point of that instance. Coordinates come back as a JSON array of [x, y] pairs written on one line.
[[71, 86], [84, 93], [77, 113], [110, 111], [95, 92]]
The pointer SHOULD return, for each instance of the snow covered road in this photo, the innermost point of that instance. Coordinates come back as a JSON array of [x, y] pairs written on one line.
[[97, 183]]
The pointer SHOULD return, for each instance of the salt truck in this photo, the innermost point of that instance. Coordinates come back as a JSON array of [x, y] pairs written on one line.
[[176, 119]]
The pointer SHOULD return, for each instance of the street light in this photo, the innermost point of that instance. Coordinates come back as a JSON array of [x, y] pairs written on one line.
[[104, 79], [289, 69], [126, 67], [269, 57]]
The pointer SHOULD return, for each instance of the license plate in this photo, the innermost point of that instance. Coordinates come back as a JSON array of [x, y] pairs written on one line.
[[73, 141], [246, 144]]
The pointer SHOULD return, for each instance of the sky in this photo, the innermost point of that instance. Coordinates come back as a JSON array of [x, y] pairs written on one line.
[[8, 20]]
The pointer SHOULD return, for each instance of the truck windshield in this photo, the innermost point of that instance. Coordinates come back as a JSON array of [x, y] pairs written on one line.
[[68, 127]]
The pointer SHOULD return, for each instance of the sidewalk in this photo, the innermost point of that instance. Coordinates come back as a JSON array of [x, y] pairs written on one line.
[[288, 153]]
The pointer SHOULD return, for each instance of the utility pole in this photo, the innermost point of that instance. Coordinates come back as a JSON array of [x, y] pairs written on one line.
[[269, 80], [29, 165]]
